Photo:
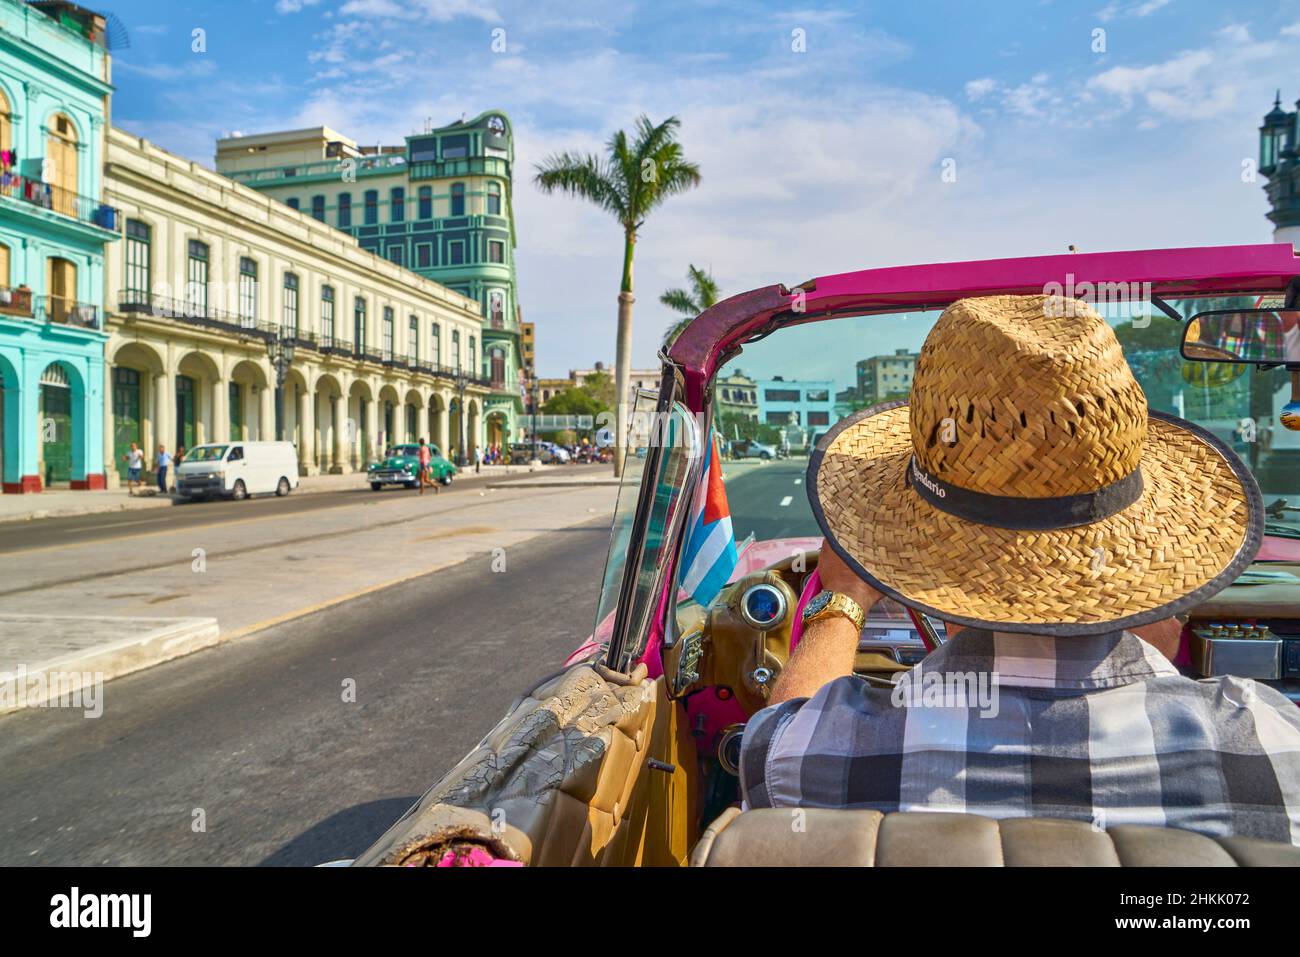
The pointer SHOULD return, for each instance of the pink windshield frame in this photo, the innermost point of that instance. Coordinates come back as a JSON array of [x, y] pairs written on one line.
[[1172, 273]]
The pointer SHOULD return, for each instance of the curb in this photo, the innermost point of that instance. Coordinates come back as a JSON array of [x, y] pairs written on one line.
[[525, 483], [173, 638]]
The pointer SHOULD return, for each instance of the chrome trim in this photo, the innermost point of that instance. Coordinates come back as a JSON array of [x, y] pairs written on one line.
[[783, 607], [729, 734]]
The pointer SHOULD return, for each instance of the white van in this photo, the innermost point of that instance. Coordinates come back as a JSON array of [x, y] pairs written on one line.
[[238, 470]]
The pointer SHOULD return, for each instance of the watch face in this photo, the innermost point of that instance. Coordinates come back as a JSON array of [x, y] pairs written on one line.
[[816, 603]]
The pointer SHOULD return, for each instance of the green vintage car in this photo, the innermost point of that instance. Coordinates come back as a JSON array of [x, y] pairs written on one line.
[[402, 467]]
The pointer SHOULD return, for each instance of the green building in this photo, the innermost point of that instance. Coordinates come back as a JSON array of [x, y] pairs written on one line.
[[55, 86], [440, 205]]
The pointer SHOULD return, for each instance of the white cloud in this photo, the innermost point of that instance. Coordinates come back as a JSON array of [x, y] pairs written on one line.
[[1143, 9], [285, 7], [440, 11]]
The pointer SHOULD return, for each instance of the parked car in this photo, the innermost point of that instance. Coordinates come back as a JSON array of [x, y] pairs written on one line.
[[401, 466], [521, 453], [751, 449], [237, 470]]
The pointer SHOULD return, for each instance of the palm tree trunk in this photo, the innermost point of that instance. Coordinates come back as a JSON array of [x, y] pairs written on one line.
[[623, 354]]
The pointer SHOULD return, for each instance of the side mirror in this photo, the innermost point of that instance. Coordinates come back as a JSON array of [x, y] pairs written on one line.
[[1262, 337]]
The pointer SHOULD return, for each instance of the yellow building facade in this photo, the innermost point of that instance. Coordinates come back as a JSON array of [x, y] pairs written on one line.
[[211, 276]]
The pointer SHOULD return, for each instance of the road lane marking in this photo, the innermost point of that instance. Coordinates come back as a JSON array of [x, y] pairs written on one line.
[[787, 500]]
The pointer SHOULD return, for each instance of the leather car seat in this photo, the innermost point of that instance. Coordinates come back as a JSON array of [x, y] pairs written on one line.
[[813, 837]]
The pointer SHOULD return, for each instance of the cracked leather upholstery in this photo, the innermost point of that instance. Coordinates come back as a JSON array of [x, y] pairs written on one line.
[[785, 837], [552, 784]]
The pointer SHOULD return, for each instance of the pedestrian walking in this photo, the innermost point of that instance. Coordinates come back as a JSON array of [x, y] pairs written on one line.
[[426, 466], [162, 463], [478, 460], [134, 464]]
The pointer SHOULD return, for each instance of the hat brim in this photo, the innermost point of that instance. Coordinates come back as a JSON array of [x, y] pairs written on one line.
[[1198, 523]]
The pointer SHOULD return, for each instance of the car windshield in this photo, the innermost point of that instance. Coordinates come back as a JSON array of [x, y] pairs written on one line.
[[206, 453], [406, 450], [785, 391]]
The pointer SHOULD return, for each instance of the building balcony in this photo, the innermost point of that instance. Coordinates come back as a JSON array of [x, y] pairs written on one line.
[[48, 196], [67, 312], [300, 338], [133, 302], [329, 169], [16, 302], [461, 166], [334, 346], [21, 304]]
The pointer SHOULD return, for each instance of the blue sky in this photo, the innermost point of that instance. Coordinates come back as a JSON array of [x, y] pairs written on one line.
[[814, 162]]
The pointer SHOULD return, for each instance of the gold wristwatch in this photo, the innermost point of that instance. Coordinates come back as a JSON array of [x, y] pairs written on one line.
[[826, 603]]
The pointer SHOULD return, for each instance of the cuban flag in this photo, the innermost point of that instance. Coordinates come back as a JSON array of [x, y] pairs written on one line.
[[710, 555]]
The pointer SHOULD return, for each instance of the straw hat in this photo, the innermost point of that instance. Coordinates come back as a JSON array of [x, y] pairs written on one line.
[[1028, 487]]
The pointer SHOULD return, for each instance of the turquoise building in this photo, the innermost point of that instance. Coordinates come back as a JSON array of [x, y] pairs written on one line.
[[54, 92], [440, 204]]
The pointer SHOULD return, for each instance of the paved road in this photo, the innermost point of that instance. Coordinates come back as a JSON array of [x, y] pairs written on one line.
[[257, 735], [78, 529], [770, 500]]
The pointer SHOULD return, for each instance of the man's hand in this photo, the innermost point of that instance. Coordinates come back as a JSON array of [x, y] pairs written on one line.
[[837, 576], [828, 646]]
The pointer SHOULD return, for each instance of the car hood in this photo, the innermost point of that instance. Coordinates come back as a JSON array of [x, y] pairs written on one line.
[[396, 462]]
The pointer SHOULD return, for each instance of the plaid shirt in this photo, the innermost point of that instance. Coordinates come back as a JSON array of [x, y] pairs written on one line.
[[1247, 341], [1101, 729]]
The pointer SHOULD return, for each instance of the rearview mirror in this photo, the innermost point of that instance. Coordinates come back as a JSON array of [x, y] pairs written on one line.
[[1251, 336]]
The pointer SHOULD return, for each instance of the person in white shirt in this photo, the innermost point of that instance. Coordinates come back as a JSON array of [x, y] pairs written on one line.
[[134, 463]]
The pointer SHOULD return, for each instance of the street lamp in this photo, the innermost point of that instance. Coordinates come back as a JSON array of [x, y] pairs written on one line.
[[461, 381], [281, 352], [534, 418]]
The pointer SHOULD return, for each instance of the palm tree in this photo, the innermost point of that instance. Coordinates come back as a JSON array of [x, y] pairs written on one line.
[[703, 293], [633, 178]]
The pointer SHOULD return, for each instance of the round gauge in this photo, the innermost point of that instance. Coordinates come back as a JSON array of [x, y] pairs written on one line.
[[763, 606], [729, 748]]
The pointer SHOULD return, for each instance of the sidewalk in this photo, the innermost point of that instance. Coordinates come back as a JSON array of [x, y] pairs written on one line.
[[61, 503], [229, 580], [71, 653]]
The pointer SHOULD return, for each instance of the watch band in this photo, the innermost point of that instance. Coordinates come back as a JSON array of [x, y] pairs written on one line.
[[827, 603]]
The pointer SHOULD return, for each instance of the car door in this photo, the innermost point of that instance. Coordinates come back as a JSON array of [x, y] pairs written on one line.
[[593, 765], [236, 467]]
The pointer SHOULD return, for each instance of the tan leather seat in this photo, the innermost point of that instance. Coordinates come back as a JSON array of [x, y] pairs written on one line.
[[812, 837]]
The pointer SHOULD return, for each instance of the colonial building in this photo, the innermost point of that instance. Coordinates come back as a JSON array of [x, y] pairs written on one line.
[[637, 379], [882, 376], [440, 204], [54, 88], [737, 394], [213, 280]]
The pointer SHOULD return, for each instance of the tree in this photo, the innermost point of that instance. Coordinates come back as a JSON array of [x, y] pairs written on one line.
[[703, 293], [575, 401], [629, 182]]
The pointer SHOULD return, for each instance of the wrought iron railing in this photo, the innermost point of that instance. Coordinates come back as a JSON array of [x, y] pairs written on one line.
[[67, 311], [58, 199], [191, 311], [335, 346]]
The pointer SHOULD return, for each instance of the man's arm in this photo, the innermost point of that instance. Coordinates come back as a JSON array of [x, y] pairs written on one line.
[[828, 646]]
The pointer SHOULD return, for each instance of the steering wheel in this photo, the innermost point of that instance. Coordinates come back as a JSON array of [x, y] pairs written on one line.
[[812, 586]]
